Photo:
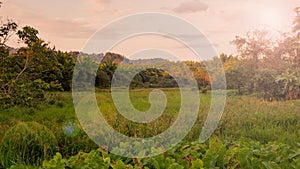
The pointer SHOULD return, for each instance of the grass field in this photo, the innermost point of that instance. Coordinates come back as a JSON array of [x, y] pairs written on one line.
[[244, 117]]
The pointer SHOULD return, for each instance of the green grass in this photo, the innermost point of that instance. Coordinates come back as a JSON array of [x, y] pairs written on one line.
[[243, 117]]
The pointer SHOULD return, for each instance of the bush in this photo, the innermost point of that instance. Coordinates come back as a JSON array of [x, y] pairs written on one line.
[[27, 143]]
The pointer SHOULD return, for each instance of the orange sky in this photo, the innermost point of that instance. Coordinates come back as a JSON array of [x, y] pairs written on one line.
[[69, 24]]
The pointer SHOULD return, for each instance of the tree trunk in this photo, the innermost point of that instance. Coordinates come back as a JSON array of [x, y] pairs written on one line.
[[287, 91]]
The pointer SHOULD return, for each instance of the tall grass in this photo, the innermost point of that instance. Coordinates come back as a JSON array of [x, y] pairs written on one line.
[[243, 117]]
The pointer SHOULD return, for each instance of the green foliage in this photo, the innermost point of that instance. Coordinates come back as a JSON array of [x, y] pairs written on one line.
[[27, 143], [21, 166], [32, 70], [214, 156], [153, 78], [241, 155], [29, 35], [151, 75], [105, 74], [5, 31], [82, 160], [197, 164], [244, 117], [266, 67]]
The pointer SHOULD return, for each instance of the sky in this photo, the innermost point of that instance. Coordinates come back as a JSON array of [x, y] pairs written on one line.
[[69, 25]]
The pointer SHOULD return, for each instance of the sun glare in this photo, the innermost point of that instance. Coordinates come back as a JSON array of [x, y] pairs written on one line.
[[271, 17]]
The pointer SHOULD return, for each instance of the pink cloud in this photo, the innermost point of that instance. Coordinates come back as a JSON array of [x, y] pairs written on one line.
[[191, 7]]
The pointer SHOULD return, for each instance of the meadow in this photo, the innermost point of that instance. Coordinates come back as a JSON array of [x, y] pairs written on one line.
[[250, 129]]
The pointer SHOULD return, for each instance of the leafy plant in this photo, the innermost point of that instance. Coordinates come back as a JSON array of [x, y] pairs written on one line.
[[27, 143]]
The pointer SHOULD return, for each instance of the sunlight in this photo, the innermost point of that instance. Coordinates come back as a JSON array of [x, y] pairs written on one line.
[[271, 17]]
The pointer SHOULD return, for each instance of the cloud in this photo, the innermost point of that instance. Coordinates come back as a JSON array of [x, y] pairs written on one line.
[[191, 7], [101, 1], [62, 27], [163, 8], [69, 28], [75, 27]]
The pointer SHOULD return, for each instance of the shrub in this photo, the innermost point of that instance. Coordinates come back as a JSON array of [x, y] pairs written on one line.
[[27, 143]]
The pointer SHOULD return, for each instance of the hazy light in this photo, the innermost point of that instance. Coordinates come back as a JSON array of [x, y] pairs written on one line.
[[271, 17]]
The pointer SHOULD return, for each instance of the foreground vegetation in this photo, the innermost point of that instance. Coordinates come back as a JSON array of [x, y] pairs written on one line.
[[260, 127], [242, 154], [253, 133]]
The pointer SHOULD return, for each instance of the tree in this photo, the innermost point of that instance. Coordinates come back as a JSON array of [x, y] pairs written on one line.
[[32, 70], [200, 73], [294, 39], [105, 73], [236, 77], [6, 31], [296, 22], [291, 82], [65, 65], [29, 36], [266, 87], [253, 47]]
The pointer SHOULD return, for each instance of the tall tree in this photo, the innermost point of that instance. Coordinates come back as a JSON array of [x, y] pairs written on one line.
[[291, 82], [296, 22], [7, 29], [254, 46]]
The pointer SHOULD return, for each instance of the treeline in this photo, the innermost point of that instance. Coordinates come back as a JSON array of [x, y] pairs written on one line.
[[30, 71], [162, 74], [265, 67]]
